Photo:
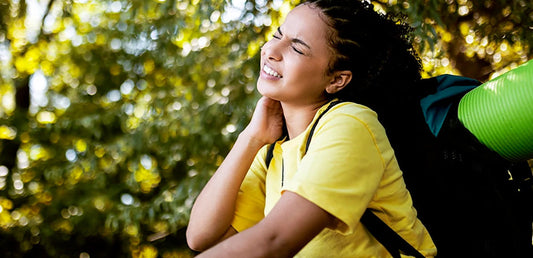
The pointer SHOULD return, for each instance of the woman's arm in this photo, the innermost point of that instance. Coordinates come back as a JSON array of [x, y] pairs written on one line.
[[214, 208], [292, 223]]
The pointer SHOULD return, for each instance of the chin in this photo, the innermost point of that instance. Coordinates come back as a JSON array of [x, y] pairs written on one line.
[[262, 88], [267, 90]]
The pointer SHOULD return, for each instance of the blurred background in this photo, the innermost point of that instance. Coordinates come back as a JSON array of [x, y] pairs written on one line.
[[114, 113]]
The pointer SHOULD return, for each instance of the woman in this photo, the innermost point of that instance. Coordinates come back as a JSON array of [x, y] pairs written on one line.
[[310, 205]]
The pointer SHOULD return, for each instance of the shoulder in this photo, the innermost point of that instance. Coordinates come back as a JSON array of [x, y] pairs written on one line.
[[350, 112], [344, 118], [352, 108], [349, 121]]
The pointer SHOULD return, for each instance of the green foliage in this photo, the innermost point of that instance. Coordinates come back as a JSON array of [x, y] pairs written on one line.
[[114, 114], [139, 103], [475, 38]]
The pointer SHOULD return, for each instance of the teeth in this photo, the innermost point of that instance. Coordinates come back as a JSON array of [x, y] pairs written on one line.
[[269, 71]]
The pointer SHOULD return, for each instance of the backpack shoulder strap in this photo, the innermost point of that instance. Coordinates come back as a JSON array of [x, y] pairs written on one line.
[[270, 154], [393, 242], [332, 104]]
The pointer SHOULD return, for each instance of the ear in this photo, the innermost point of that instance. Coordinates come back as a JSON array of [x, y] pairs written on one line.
[[339, 80]]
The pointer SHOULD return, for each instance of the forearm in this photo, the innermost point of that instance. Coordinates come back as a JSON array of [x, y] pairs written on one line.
[[213, 210], [291, 224], [254, 242]]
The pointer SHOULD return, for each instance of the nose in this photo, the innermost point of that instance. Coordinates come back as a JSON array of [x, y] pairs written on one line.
[[271, 51]]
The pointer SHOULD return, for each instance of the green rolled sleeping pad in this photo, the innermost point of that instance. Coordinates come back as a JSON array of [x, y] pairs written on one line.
[[499, 113]]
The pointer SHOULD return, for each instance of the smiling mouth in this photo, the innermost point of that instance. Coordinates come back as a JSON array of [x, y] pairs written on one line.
[[271, 72]]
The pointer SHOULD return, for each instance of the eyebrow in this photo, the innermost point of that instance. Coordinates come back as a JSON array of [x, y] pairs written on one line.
[[295, 40]]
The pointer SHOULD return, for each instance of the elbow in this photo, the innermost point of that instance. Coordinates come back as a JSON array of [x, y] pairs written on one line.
[[195, 241], [201, 238]]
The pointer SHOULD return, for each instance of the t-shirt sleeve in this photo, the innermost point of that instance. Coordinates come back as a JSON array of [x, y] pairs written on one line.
[[250, 205], [342, 168]]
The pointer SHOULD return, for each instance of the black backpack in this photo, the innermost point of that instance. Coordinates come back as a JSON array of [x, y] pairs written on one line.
[[473, 202]]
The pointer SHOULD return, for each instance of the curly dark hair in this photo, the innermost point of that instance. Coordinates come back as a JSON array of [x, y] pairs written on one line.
[[376, 47], [378, 50]]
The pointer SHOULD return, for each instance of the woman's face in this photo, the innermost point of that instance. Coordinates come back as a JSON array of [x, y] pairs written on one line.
[[294, 62]]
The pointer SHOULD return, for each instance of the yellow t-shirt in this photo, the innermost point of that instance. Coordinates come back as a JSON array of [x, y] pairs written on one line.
[[348, 167]]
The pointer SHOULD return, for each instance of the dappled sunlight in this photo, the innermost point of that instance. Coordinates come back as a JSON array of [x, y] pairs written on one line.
[[113, 114], [480, 39], [116, 131]]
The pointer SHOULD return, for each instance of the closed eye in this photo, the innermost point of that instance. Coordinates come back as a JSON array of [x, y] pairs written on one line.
[[297, 51], [278, 35]]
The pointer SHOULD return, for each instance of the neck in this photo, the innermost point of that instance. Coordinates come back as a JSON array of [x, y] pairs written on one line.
[[297, 118]]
